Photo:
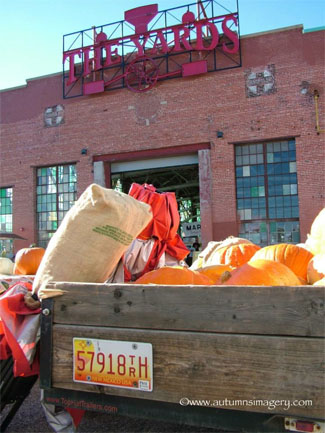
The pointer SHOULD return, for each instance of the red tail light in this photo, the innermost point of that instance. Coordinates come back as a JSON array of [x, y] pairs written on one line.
[[305, 426]]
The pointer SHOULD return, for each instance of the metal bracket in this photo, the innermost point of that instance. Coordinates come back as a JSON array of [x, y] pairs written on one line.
[[46, 344]]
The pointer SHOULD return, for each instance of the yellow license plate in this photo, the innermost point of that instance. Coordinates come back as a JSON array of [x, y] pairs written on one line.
[[122, 364]]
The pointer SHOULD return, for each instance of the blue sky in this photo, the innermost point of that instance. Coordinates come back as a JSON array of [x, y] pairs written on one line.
[[32, 30]]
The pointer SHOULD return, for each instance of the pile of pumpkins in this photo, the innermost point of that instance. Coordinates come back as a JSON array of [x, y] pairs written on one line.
[[239, 262], [234, 262]]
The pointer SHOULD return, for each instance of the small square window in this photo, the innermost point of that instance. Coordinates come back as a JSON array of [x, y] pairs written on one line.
[[239, 160], [246, 170], [270, 157], [286, 189], [252, 148], [284, 146], [259, 148], [277, 146], [293, 189], [293, 167], [248, 214], [261, 191], [260, 159], [253, 159]]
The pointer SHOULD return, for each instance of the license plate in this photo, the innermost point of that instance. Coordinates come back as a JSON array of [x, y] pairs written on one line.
[[122, 364]]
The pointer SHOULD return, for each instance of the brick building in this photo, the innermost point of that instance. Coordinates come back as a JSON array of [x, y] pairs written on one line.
[[245, 141]]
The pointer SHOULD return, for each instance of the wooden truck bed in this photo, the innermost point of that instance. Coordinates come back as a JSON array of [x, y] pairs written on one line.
[[241, 358]]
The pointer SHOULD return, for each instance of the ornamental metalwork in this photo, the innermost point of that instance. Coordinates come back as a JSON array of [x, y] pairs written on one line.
[[149, 46]]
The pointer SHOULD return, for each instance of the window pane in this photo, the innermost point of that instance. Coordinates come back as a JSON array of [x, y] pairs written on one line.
[[293, 167], [252, 149], [284, 146]]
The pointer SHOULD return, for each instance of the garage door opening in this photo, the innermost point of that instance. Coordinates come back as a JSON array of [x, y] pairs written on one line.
[[183, 180]]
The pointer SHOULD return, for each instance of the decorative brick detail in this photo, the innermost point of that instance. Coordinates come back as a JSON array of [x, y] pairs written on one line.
[[261, 82], [54, 116], [147, 108]]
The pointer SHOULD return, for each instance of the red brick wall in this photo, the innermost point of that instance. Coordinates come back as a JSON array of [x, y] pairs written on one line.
[[179, 112]]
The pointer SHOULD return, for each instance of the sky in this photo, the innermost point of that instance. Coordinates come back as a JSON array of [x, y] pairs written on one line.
[[32, 30]]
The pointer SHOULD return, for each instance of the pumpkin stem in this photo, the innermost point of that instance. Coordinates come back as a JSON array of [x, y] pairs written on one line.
[[32, 246], [225, 276]]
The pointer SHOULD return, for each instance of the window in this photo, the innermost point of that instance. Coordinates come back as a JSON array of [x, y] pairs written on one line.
[[267, 193], [6, 219], [55, 195]]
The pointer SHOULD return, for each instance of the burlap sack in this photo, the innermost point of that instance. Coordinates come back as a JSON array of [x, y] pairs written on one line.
[[92, 237]]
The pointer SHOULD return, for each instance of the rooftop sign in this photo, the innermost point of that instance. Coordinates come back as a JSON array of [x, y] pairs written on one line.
[[150, 46]]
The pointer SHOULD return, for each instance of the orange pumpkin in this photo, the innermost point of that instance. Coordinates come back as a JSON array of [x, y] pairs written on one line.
[[316, 268], [16, 270], [235, 255], [214, 272], [27, 260], [320, 282], [261, 273], [303, 282], [174, 276], [293, 256]]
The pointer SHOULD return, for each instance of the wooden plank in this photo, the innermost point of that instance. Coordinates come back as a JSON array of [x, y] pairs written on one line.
[[213, 367], [254, 310]]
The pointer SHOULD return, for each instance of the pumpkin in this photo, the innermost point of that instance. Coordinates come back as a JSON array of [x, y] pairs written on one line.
[[27, 260], [320, 282], [174, 275], [260, 272], [302, 281], [235, 255], [16, 271], [206, 257], [6, 266], [214, 272], [316, 268], [316, 238], [296, 258]]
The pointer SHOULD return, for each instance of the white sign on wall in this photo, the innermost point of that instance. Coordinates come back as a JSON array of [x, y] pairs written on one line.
[[191, 229]]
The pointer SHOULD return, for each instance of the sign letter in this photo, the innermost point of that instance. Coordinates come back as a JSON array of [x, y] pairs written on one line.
[[70, 55], [230, 34], [181, 39], [140, 47], [214, 34]]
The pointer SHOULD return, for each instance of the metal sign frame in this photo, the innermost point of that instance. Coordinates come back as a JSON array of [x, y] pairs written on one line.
[[179, 42]]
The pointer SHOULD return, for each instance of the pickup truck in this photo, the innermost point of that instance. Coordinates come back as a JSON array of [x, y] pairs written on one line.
[[236, 358]]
